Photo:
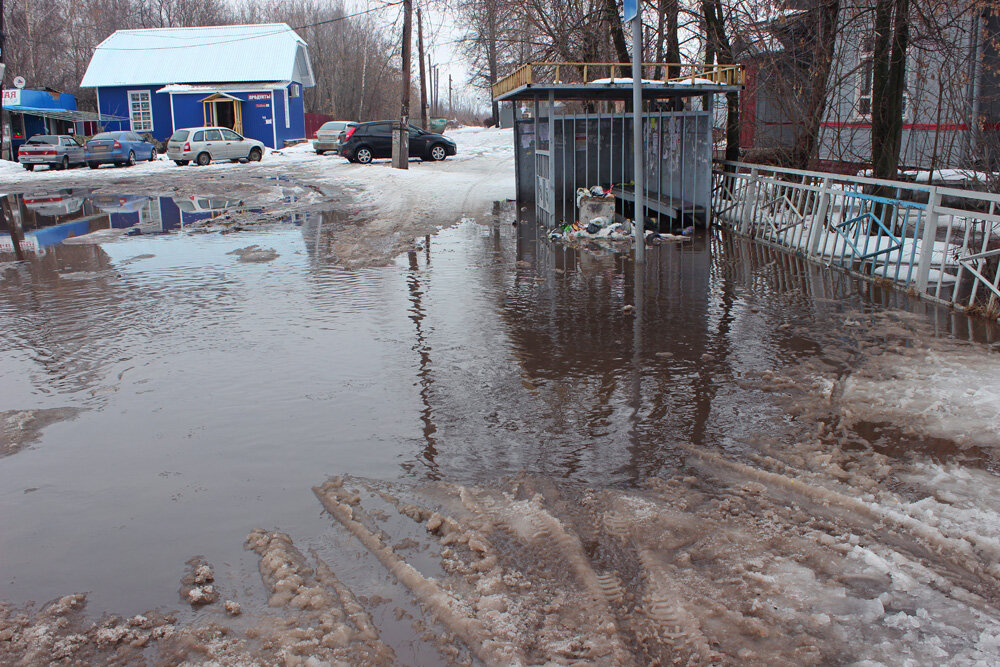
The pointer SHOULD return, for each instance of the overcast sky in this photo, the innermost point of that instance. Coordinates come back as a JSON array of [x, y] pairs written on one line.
[[440, 40]]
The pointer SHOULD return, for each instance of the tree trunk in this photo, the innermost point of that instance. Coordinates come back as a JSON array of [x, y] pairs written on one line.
[[817, 73], [618, 35], [892, 36], [666, 35], [715, 30]]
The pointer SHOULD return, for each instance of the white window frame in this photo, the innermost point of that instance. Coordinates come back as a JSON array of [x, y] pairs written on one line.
[[859, 87], [140, 126], [295, 90]]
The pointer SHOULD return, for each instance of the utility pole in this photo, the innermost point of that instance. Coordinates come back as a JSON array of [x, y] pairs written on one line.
[[637, 147], [401, 138], [451, 111], [3, 68], [437, 95], [423, 80]]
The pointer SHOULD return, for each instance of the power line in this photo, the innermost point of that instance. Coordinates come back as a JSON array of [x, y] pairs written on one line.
[[245, 37]]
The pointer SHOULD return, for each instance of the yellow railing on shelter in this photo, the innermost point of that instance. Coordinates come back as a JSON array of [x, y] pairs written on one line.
[[595, 73]]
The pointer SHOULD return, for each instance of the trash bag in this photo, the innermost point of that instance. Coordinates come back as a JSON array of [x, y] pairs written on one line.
[[593, 228], [597, 191]]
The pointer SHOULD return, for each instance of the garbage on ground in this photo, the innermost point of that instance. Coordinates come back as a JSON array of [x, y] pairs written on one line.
[[598, 229]]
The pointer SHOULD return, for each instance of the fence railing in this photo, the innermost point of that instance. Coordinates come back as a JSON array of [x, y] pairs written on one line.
[[579, 73], [940, 243]]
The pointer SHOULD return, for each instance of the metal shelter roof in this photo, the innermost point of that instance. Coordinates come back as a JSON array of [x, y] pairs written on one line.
[[601, 81], [610, 91], [62, 114], [211, 54]]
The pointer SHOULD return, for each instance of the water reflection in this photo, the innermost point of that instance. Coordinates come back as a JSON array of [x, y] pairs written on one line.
[[48, 218], [217, 393]]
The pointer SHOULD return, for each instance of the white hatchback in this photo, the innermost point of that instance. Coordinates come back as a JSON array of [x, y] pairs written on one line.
[[201, 145]]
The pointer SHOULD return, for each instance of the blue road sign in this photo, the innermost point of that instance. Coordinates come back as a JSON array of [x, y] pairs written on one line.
[[630, 9]]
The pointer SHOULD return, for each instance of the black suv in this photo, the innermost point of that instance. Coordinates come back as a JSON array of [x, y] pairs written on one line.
[[366, 141]]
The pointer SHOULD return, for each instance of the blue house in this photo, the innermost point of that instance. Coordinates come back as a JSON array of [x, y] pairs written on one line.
[[246, 77]]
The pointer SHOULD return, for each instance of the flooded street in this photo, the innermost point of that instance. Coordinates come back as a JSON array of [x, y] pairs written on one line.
[[728, 457]]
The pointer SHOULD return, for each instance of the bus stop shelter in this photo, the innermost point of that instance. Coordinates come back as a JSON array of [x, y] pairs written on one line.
[[563, 139]]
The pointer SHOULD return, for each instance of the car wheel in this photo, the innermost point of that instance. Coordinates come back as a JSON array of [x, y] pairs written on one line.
[[203, 159], [152, 154], [363, 155], [29, 167], [438, 152], [131, 159], [320, 152], [93, 165], [181, 163], [65, 163], [255, 154]]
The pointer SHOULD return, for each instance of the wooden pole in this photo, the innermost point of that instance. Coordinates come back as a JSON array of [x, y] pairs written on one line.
[[401, 140], [423, 79]]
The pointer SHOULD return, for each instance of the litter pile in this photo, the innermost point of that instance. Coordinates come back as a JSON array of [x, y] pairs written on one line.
[[597, 229], [596, 207]]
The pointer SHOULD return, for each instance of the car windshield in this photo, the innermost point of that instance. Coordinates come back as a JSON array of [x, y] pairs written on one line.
[[179, 135], [42, 139], [105, 135], [333, 126]]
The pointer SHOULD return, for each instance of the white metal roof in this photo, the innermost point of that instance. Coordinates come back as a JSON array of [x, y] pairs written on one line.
[[211, 54], [253, 87]]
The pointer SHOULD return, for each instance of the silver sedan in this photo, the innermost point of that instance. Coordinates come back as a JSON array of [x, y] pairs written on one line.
[[58, 151]]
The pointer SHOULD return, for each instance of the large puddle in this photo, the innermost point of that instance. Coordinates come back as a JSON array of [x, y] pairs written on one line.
[[186, 397]]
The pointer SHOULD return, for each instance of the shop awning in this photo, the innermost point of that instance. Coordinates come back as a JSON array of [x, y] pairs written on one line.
[[62, 114], [220, 97]]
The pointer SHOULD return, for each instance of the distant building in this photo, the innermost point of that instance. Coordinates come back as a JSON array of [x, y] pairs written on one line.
[[951, 104], [246, 77]]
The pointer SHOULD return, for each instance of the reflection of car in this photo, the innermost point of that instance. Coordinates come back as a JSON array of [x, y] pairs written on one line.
[[118, 148], [328, 135], [58, 151], [367, 141], [201, 145], [120, 203], [52, 205], [193, 204]]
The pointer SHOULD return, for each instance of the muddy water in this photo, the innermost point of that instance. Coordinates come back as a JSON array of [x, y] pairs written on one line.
[[205, 396]]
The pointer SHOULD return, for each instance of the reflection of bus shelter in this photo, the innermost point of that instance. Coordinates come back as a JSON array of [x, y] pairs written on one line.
[[223, 110], [562, 140]]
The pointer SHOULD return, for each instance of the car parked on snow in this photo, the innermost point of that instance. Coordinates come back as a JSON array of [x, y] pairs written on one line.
[[367, 141], [202, 145], [58, 151], [118, 148], [328, 135]]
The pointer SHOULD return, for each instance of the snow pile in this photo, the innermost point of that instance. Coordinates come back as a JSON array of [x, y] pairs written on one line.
[[942, 391], [946, 176]]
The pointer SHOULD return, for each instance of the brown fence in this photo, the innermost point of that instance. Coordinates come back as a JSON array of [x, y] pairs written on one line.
[[313, 121]]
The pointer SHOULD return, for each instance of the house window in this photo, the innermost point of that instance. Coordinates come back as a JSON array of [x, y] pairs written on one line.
[[140, 110], [866, 68]]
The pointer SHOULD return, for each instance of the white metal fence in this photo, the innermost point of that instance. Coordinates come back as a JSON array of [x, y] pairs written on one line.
[[940, 243]]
